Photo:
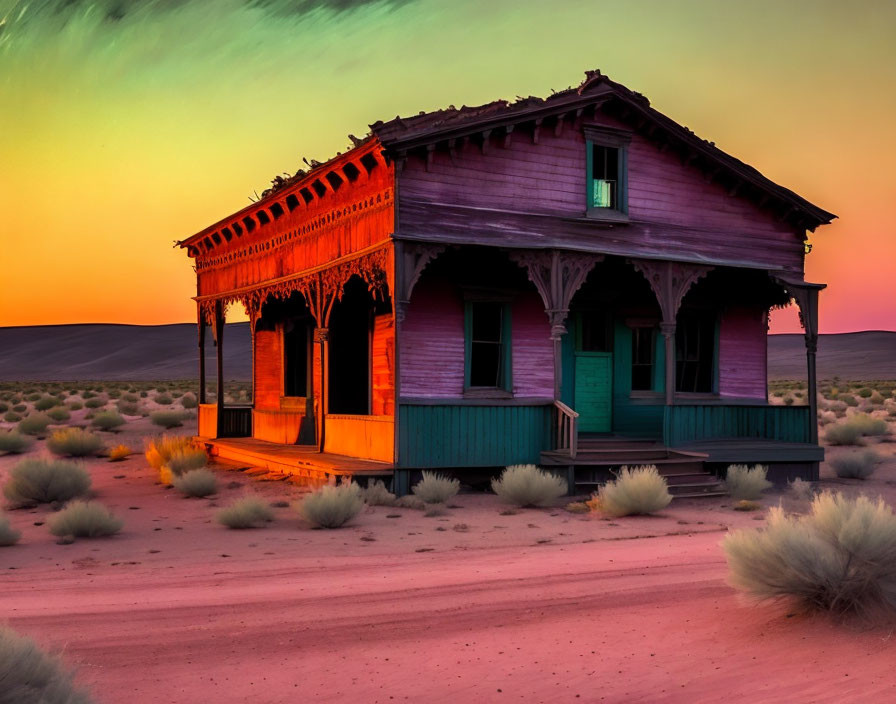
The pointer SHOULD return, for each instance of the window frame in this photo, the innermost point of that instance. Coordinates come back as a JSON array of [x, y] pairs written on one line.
[[601, 136], [709, 317], [505, 388]]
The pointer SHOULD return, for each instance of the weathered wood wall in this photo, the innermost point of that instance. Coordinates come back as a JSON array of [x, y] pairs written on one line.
[[368, 437], [268, 369], [383, 366], [549, 178], [743, 353], [432, 344]]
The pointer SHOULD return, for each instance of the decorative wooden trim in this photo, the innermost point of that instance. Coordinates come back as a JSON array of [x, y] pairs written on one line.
[[411, 259], [670, 281]]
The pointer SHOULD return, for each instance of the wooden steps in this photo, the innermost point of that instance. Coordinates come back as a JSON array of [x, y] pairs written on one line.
[[599, 457]]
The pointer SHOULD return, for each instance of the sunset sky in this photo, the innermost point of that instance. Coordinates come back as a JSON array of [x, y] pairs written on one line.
[[128, 124]]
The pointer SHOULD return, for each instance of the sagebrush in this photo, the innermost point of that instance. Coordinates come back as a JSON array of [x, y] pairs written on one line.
[[841, 557], [8, 536], [14, 442], [376, 494], [30, 676], [196, 483], [39, 480], [247, 512], [527, 485], [746, 483], [858, 465], [637, 490], [332, 506], [167, 419], [84, 519], [74, 442], [108, 420], [435, 488], [35, 424]]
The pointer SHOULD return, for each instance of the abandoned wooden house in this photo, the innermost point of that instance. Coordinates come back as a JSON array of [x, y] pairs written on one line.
[[576, 281]]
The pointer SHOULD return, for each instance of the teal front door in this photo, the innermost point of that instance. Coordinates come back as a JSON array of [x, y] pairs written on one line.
[[594, 373]]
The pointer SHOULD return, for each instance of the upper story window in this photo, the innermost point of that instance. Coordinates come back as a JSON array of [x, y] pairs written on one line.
[[607, 173]]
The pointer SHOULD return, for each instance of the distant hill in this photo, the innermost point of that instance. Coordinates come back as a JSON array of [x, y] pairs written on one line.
[[853, 355], [145, 353], [118, 352]]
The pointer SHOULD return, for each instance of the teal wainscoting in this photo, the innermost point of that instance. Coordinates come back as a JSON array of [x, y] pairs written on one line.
[[687, 423], [635, 417], [472, 435]]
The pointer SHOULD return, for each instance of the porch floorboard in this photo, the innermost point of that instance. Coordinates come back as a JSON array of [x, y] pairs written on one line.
[[296, 460]]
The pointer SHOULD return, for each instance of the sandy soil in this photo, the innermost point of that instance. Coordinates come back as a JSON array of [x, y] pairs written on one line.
[[476, 605]]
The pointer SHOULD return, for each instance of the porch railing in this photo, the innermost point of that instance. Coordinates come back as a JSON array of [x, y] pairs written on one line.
[[235, 422], [567, 435], [689, 423]]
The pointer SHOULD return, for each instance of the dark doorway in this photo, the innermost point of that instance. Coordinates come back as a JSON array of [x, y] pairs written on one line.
[[349, 358], [296, 357]]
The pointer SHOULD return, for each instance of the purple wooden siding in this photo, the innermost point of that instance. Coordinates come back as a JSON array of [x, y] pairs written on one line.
[[533, 351], [432, 342], [549, 178], [743, 350]]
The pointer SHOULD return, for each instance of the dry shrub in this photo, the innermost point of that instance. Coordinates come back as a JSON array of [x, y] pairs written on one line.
[[119, 452], [841, 557], [35, 424], [8, 536], [801, 490], [95, 402], [196, 483], [128, 408], [851, 431], [184, 460], [526, 485], [376, 494], [247, 512], [20, 408], [746, 483], [410, 501], [108, 420], [59, 414], [189, 401], [638, 490], [13, 442], [39, 481], [12, 417], [84, 519], [577, 507], [332, 506], [865, 392], [46, 403], [74, 442], [746, 505], [858, 465], [160, 449], [30, 676], [167, 419], [163, 400], [435, 488], [75, 406]]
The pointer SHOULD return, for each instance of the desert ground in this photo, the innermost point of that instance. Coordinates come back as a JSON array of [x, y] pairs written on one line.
[[478, 603]]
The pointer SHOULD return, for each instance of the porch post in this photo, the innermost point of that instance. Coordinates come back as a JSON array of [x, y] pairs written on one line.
[[219, 356], [201, 326], [668, 331], [322, 336]]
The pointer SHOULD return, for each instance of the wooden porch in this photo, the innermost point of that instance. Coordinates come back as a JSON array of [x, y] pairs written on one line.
[[301, 461]]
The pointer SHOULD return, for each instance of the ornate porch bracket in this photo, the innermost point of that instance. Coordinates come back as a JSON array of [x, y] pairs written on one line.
[[557, 275], [805, 295], [411, 258], [670, 282]]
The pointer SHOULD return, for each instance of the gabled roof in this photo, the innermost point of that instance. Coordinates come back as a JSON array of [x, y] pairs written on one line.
[[403, 135]]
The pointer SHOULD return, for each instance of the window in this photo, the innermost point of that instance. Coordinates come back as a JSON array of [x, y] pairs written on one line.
[[295, 356], [595, 332], [695, 343], [488, 345], [643, 347], [607, 179]]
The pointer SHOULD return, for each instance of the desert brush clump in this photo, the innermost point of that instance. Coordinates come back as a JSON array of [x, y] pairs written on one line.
[[852, 430], [84, 519], [858, 465], [636, 490], [43, 481], [163, 399], [435, 488], [331, 506], [128, 408], [95, 402], [526, 485], [189, 401], [160, 449], [108, 420], [244, 513], [12, 417], [59, 414], [840, 558], [376, 494], [801, 490], [167, 419], [28, 675], [74, 442], [74, 405], [746, 483], [35, 424], [13, 442], [196, 483], [8, 536], [185, 460], [46, 403], [20, 408], [119, 453]]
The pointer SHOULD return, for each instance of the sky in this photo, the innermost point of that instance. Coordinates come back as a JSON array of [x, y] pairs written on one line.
[[126, 125]]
